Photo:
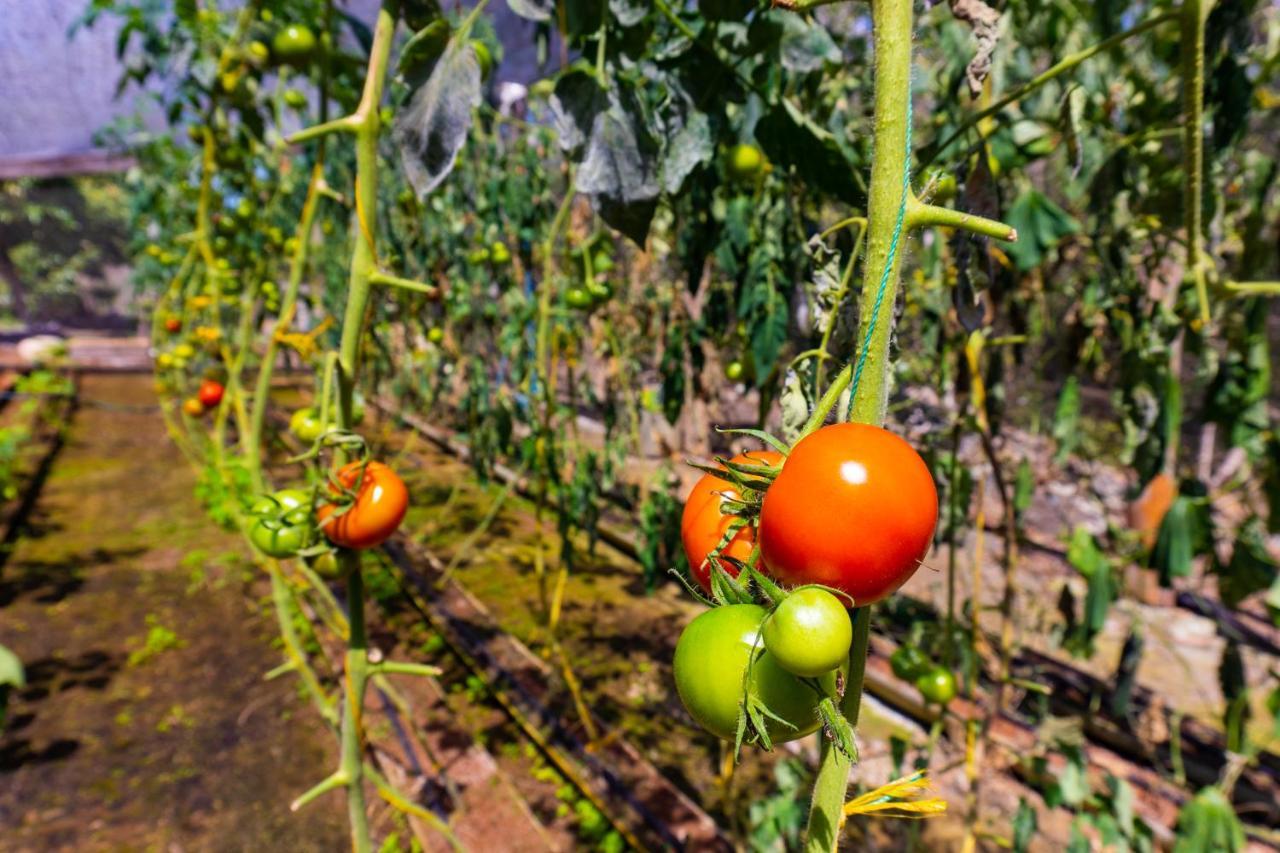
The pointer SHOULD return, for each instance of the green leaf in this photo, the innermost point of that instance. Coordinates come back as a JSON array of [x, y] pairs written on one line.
[[1041, 226], [1183, 535], [1025, 824], [1207, 822], [1066, 419], [793, 140]]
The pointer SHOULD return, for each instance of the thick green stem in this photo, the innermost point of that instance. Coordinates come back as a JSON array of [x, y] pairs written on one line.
[[892, 34], [892, 21], [357, 675], [1194, 15]]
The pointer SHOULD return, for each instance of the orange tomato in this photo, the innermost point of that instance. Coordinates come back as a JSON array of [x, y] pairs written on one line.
[[192, 407], [1149, 508], [853, 509], [703, 525], [380, 504]]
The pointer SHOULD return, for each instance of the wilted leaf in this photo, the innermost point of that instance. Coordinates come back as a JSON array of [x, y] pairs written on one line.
[[432, 130], [533, 10]]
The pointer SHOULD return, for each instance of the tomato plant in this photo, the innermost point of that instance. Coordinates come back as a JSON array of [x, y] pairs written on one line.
[[854, 508]]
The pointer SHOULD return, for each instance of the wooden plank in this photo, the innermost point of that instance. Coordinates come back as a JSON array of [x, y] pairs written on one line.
[[93, 162]]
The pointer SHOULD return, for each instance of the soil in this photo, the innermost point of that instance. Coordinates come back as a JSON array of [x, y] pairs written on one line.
[[146, 723]]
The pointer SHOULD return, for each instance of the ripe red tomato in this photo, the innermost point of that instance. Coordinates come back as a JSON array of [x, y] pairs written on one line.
[[380, 505], [853, 509], [703, 525], [210, 393], [172, 325]]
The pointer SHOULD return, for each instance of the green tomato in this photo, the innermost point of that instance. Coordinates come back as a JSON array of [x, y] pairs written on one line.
[[305, 425], [600, 291], [908, 663], [809, 633], [295, 99], [745, 162], [477, 256], [327, 565], [944, 188], [601, 262], [734, 371], [499, 253], [283, 523], [937, 685], [184, 351], [578, 298], [711, 663], [435, 334], [294, 44], [258, 52]]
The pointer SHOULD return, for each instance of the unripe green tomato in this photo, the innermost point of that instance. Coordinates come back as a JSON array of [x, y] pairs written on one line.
[[327, 566], [184, 351], [305, 425], [578, 298], [711, 664], [435, 334], [295, 99], [908, 663], [809, 633], [283, 523], [734, 371], [291, 246], [944, 188], [937, 685], [477, 256], [244, 208], [499, 253], [745, 162], [600, 291], [483, 57], [294, 44], [164, 361], [601, 262], [258, 52]]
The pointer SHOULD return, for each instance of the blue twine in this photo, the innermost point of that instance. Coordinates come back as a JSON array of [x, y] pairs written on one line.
[[888, 264]]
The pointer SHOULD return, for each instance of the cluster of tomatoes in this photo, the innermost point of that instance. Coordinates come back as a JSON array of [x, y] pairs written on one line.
[[365, 504], [175, 360], [841, 521]]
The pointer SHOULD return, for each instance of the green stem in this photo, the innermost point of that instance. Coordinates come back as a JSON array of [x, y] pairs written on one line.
[[922, 215], [892, 39], [1194, 15], [297, 268], [1066, 64]]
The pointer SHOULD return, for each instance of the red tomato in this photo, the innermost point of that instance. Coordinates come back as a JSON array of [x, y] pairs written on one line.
[[703, 525], [210, 393], [853, 509], [381, 501], [172, 325]]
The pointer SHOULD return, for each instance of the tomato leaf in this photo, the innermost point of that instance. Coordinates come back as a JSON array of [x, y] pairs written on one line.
[[432, 129]]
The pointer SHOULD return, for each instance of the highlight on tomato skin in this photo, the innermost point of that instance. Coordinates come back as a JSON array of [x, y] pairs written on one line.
[[854, 508], [703, 525]]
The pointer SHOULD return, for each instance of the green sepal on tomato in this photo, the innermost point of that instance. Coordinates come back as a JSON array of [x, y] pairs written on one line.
[[712, 659]]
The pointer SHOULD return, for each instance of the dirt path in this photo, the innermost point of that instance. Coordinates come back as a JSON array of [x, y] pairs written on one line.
[[146, 723]]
